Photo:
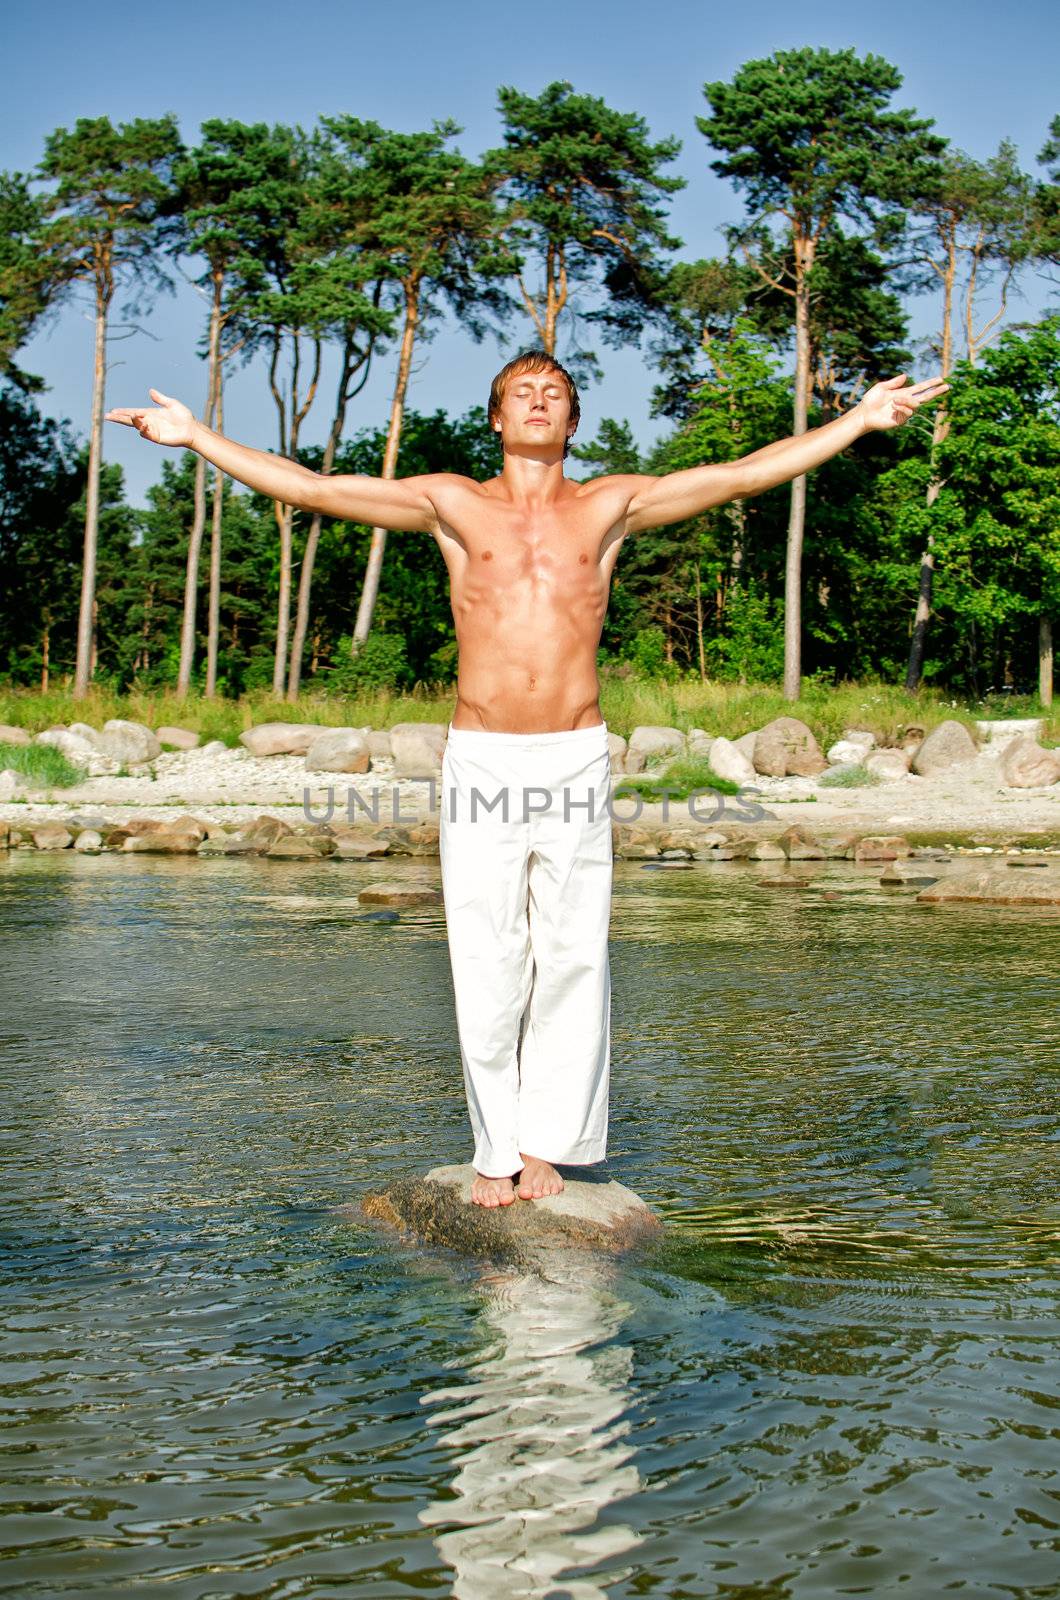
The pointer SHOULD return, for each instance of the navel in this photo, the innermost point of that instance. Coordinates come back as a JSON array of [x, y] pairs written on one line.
[[533, 683], [487, 555]]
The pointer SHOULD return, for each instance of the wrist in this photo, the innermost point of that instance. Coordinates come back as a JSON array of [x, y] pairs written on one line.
[[197, 435]]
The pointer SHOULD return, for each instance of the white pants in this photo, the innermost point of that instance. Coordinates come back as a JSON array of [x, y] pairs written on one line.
[[526, 877]]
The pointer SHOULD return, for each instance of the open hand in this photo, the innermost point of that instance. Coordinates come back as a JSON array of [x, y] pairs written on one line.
[[889, 404], [166, 422]]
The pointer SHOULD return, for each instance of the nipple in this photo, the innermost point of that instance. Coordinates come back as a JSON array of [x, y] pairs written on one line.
[[583, 558], [487, 555]]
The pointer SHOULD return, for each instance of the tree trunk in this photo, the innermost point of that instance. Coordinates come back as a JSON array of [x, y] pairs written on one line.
[[213, 626], [797, 514], [374, 568], [915, 666], [198, 521], [1045, 660], [305, 579], [699, 627], [284, 523], [45, 642], [85, 652]]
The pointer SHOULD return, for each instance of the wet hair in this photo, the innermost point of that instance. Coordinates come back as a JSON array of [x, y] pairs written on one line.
[[532, 361]]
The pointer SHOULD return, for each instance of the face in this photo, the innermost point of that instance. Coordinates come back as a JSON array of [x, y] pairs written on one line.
[[535, 413]]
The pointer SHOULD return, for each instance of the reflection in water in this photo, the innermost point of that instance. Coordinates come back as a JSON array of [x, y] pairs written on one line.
[[541, 1425]]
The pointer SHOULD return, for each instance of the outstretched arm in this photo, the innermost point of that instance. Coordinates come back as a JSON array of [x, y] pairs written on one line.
[[400, 503], [678, 495]]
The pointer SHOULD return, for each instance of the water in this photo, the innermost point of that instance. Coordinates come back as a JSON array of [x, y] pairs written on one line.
[[836, 1377]]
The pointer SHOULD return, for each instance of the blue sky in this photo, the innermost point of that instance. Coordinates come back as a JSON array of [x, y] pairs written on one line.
[[983, 72]]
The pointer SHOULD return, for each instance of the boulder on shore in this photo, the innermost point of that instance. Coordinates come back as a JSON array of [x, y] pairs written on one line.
[[131, 742], [888, 764], [280, 738], [948, 745], [1025, 765], [177, 738], [418, 748], [588, 1214], [729, 761], [786, 748], [339, 750], [649, 743]]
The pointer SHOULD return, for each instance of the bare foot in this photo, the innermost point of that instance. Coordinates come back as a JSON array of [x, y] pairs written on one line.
[[491, 1191], [538, 1178]]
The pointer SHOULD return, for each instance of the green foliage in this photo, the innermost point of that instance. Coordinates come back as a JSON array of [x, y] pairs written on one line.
[[646, 654], [41, 765], [679, 777], [380, 663], [587, 198], [750, 647], [852, 775], [996, 522]]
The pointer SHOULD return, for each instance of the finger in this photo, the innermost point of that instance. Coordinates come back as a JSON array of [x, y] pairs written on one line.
[[161, 399], [895, 383], [128, 417]]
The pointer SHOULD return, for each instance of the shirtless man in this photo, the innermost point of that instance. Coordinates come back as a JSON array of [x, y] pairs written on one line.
[[530, 556]]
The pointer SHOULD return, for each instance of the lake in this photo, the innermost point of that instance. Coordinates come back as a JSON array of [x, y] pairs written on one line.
[[837, 1375]]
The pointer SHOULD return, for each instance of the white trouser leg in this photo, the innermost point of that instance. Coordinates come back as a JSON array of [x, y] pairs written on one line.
[[566, 1050], [527, 902], [484, 884]]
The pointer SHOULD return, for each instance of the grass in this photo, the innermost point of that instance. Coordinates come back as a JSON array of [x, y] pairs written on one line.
[[679, 777], [852, 776], [41, 765], [721, 708]]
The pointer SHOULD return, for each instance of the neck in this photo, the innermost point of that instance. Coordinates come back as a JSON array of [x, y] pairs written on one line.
[[532, 478]]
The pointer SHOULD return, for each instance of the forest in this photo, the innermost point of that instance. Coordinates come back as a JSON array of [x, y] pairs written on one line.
[[930, 555]]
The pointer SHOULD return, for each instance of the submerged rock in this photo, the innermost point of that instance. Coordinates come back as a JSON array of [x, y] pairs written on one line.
[[400, 894], [589, 1214], [994, 886]]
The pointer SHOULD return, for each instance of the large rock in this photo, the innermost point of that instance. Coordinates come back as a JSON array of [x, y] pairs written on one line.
[[378, 740], [746, 744], [417, 748], [853, 746], [302, 846], [178, 738], [263, 832], [888, 764], [181, 837], [786, 748], [11, 784], [339, 750], [52, 836], [589, 1214], [729, 761], [996, 886], [400, 894], [280, 738], [74, 746], [617, 748], [948, 745], [1003, 729], [651, 743], [131, 742], [13, 735], [1025, 765]]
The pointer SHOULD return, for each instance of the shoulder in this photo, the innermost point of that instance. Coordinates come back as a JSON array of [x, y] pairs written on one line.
[[613, 486]]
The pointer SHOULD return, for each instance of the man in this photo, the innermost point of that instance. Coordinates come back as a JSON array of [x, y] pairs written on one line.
[[525, 827]]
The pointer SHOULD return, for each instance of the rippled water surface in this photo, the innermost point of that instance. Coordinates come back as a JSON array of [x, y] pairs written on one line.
[[836, 1376]]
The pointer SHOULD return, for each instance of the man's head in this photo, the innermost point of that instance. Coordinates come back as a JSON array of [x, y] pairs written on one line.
[[534, 402]]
